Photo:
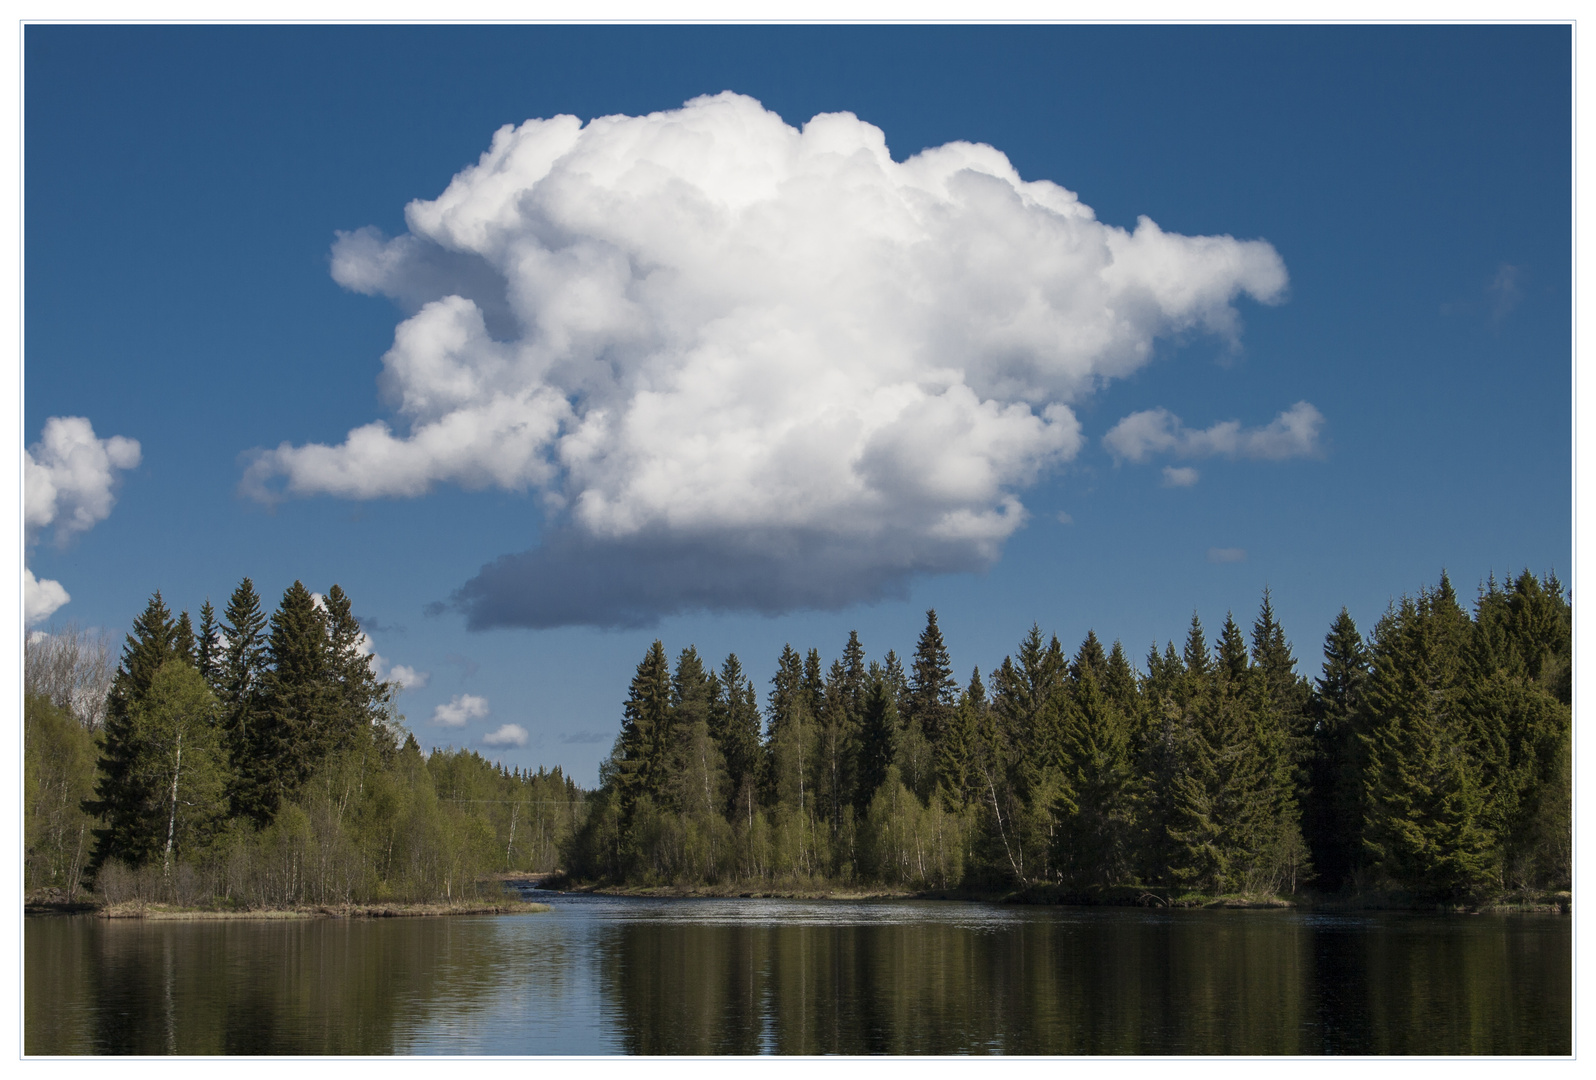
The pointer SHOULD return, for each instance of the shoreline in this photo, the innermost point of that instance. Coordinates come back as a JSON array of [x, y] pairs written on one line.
[[154, 912], [1045, 896]]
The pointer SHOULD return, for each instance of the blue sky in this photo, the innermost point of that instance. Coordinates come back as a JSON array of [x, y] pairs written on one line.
[[186, 187]]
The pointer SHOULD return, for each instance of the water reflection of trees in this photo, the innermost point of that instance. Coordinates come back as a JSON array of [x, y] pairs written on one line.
[[247, 987], [1109, 983], [898, 979]]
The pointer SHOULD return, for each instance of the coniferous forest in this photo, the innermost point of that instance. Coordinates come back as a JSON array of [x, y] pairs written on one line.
[[256, 760], [1428, 761]]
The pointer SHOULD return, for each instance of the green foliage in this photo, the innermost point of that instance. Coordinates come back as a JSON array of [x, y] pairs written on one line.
[[122, 793], [58, 776], [282, 778]]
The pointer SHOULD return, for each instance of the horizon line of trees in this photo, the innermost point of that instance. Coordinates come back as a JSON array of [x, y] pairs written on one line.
[[1431, 758], [258, 760]]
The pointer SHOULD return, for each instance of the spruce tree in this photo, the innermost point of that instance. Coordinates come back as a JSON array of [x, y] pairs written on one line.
[[183, 639], [878, 737], [838, 743], [740, 739], [208, 649], [633, 768], [955, 757], [932, 688], [695, 768], [298, 704], [1089, 657], [855, 676], [1288, 692], [1094, 834], [360, 699], [240, 685], [1425, 828], [124, 796], [1333, 806]]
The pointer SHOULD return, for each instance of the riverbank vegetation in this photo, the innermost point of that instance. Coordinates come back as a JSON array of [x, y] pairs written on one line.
[[256, 762], [1429, 761]]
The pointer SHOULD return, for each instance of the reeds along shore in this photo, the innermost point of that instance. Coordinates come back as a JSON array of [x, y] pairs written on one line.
[[257, 762]]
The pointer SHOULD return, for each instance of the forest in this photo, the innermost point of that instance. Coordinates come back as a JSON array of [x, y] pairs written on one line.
[[1428, 762], [256, 761]]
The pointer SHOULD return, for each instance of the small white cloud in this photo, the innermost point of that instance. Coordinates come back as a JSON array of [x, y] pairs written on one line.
[[71, 476], [407, 677], [507, 735], [1064, 519], [1179, 476], [69, 481], [1227, 555], [460, 709], [1293, 433], [41, 597]]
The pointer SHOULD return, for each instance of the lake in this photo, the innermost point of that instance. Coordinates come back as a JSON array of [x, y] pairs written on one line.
[[612, 975]]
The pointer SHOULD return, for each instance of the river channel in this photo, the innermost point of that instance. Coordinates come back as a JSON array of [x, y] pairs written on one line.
[[611, 975]]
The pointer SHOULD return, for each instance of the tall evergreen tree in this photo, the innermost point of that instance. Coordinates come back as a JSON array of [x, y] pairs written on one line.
[[183, 639], [855, 675], [1333, 807], [633, 769], [123, 792], [1424, 824], [955, 757], [240, 687], [695, 781], [791, 733], [208, 648], [360, 699], [878, 736], [298, 704], [838, 739], [932, 687], [739, 739], [1095, 805]]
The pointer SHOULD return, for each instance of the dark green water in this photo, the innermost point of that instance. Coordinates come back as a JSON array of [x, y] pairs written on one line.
[[605, 976]]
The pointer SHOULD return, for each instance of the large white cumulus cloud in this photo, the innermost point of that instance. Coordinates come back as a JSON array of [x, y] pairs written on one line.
[[718, 343]]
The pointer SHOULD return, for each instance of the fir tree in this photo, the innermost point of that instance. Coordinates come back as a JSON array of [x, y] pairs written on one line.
[[360, 699], [1424, 825], [838, 740], [932, 688], [208, 648], [239, 693], [633, 769], [739, 738], [1094, 835], [123, 793], [878, 736], [183, 639], [1333, 807], [298, 707]]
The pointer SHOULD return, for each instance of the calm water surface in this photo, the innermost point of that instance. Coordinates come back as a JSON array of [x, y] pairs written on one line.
[[602, 975]]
